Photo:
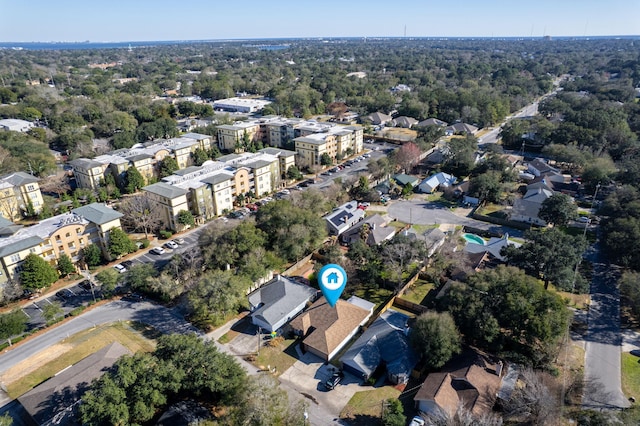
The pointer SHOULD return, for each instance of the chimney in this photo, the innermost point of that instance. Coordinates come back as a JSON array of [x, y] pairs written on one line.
[[373, 226], [499, 367]]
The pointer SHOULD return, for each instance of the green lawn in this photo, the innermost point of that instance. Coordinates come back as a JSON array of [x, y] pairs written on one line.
[[281, 357], [368, 403], [418, 291], [631, 375], [374, 295]]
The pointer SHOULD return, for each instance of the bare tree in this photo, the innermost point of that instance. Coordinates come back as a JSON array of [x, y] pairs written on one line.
[[536, 402], [463, 417], [140, 213], [58, 184], [10, 207]]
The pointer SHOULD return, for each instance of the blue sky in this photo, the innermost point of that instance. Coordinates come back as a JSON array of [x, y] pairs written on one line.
[[144, 20]]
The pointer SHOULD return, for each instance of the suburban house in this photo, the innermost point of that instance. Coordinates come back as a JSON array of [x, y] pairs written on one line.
[[15, 125], [375, 232], [493, 246], [404, 180], [437, 181], [564, 184], [384, 343], [460, 128], [433, 238], [55, 400], [432, 122], [378, 118], [474, 384], [65, 233], [17, 191], [344, 217], [539, 166], [526, 209], [275, 303], [404, 121], [325, 329]]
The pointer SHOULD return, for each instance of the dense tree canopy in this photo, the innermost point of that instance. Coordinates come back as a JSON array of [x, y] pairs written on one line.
[[37, 273], [507, 311], [435, 337]]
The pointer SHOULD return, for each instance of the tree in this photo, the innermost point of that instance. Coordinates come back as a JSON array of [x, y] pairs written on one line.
[[487, 186], [6, 420], [65, 265], [168, 166], [461, 155], [536, 402], [407, 156], [51, 311], [548, 254], [133, 180], [37, 273], [165, 286], [558, 209], [138, 277], [265, 403], [216, 295], [199, 156], [504, 310], [140, 213], [393, 413], [12, 324], [108, 279], [294, 173], [185, 218], [92, 255], [436, 338], [120, 243], [325, 159]]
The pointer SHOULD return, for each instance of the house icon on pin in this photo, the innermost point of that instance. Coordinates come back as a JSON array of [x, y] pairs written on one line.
[[332, 278]]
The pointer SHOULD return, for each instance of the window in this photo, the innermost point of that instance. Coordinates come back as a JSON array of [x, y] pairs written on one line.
[[30, 187], [15, 257], [68, 234], [32, 250]]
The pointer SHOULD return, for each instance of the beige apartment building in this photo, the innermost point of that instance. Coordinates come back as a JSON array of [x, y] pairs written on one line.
[[67, 233], [17, 190], [169, 200]]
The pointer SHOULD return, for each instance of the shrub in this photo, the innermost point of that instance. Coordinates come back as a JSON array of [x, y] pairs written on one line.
[[166, 234]]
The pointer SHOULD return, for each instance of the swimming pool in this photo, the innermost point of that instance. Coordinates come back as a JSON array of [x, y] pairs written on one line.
[[473, 238]]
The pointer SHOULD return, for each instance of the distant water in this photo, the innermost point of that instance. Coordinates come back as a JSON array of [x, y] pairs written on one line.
[[262, 44]]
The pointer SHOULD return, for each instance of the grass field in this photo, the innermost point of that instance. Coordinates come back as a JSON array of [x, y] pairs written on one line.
[[418, 291], [374, 295], [630, 375], [77, 347], [281, 357], [368, 404]]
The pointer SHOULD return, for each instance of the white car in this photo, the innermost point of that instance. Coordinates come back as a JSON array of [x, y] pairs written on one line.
[[120, 268], [417, 421], [157, 250], [170, 244]]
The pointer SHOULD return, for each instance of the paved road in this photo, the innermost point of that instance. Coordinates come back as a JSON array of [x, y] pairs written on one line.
[[602, 371], [419, 212]]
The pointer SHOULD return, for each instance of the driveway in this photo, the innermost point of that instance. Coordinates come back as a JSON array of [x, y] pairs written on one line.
[[307, 376]]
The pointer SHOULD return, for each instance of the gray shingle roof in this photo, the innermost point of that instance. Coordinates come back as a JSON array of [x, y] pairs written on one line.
[[85, 163], [97, 213], [277, 300], [384, 341], [165, 190], [19, 178], [139, 157], [20, 245]]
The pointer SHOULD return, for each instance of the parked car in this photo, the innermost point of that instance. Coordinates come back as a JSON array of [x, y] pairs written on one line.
[[417, 421], [120, 268], [584, 219], [127, 263], [334, 380], [61, 295], [171, 245], [157, 250], [179, 241], [86, 284], [252, 207]]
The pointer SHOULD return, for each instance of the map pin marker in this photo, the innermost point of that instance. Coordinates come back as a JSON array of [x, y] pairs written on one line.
[[332, 279]]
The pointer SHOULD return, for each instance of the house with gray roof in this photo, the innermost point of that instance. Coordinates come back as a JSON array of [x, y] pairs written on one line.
[[378, 118], [404, 121], [376, 233], [404, 179], [385, 342], [432, 122], [526, 209], [437, 181], [433, 238], [278, 301], [344, 217], [494, 246], [458, 128]]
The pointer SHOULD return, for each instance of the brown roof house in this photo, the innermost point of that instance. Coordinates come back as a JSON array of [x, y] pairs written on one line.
[[326, 330], [375, 234], [473, 385], [55, 400]]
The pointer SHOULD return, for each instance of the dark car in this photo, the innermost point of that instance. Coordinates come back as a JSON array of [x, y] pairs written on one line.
[[334, 380], [127, 264], [62, 295], [86, 284]]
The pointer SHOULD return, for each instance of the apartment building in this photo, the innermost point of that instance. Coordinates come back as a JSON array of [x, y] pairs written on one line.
[[66, 234], [17, 190], [145, 158], [169, 201]]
